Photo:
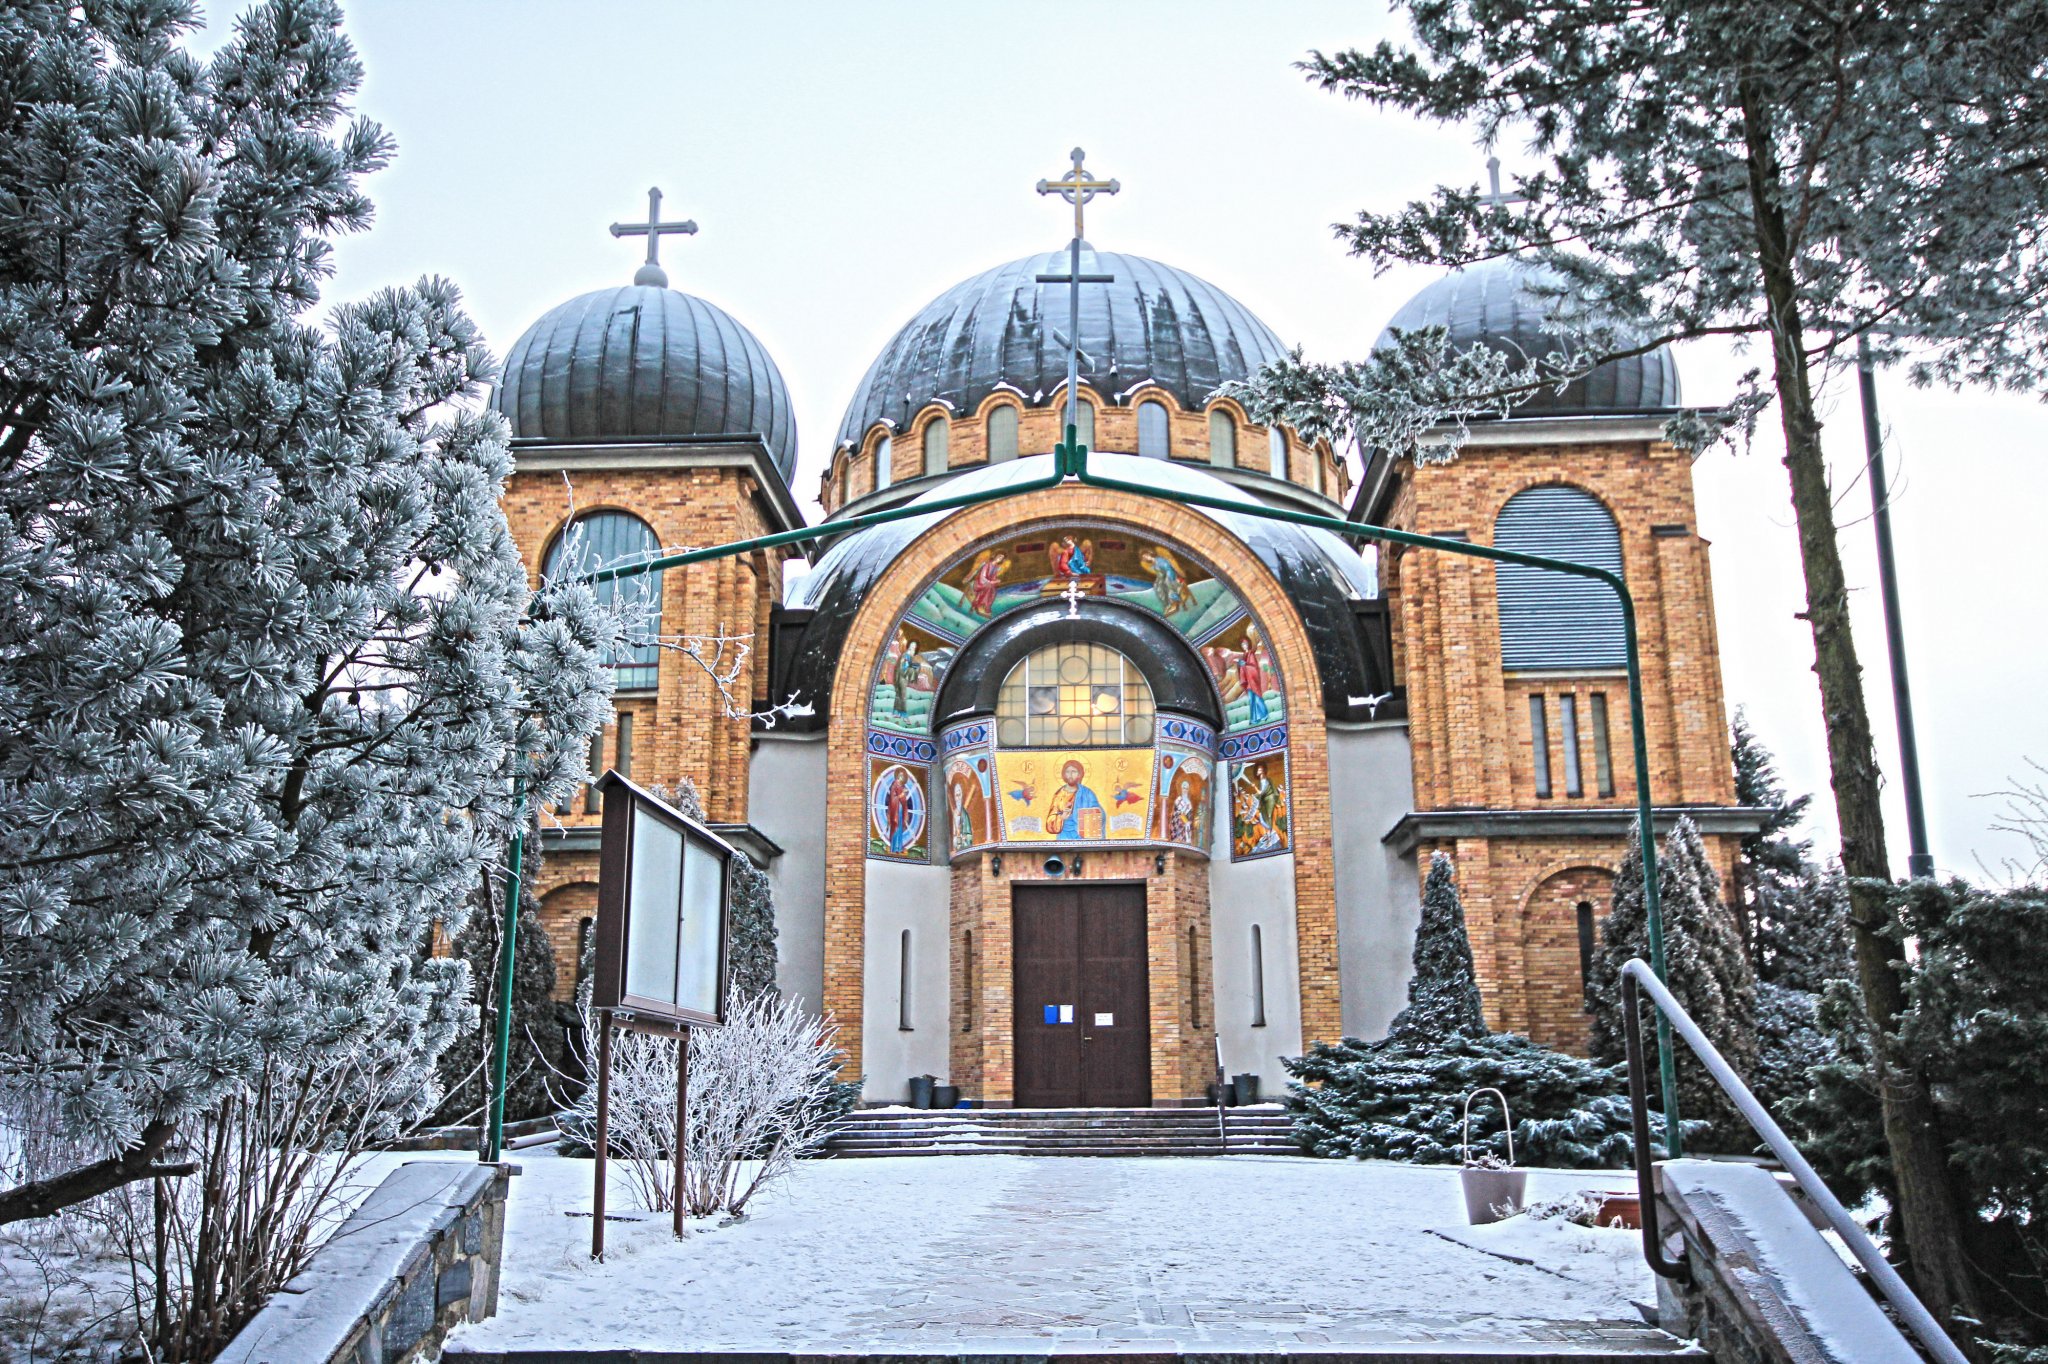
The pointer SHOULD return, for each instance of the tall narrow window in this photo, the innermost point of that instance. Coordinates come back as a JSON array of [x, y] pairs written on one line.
[[938, 434], [1002, 433], [845, 475], [1539, 746], [1587, 937], [1603, 757], [1084, 420], [1276, 452], [622, 752], [608, 539], [1568, 735], [583, 931], [1222, 440], [885, 461], [592, 801], [1194, 977], [903, 987], [1258, 978], [1152, 437], [967, 980]]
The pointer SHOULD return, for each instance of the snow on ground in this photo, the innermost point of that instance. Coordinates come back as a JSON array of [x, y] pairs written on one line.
[[1011, 1249]]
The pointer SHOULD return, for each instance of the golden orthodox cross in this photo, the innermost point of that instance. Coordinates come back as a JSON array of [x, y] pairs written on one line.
[[1077, 187], [654, 229]]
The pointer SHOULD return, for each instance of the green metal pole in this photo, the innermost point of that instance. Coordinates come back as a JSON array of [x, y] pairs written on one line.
[[508, 942], [1070, 461]]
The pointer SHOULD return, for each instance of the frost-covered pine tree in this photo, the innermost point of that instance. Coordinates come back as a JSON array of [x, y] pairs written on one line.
[[266, 681], [1443, 994], [1706, 968]]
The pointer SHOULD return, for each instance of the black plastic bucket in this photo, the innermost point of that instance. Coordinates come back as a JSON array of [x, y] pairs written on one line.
[[1244, 1088], [921, 1091], [945, 1096]]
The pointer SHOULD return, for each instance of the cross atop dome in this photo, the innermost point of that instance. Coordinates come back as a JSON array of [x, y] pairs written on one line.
[[654, 229], [1077, 187]]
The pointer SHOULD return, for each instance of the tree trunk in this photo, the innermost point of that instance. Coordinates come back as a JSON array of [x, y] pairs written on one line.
[[43, 1197], [1929, 1230]]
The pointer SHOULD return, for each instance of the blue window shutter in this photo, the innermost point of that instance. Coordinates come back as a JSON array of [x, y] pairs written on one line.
[[1550, 619]]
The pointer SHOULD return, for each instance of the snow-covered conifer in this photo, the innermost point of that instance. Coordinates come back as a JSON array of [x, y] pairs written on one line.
[[266, 680], [1706, 968], [1443, 994]]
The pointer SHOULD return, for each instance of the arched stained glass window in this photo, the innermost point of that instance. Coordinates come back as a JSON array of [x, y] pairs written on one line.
[[1222, 440], [885, 462], [1276, 452], [1152, 429], [605, 539], [1550, 619], [938, 434], [1002, 433], [1074, 695]]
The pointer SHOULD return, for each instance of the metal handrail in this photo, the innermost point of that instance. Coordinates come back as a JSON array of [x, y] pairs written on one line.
[[1636, 979]]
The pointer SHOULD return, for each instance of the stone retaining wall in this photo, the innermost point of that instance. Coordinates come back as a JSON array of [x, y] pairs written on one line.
[[418, 1257]]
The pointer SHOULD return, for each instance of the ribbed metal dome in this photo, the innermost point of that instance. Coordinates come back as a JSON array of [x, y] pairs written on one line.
[[1491, 304], [643, 363], [1154, 322]]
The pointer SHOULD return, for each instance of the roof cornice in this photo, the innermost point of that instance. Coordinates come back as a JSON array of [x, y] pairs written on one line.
[[748, 453]]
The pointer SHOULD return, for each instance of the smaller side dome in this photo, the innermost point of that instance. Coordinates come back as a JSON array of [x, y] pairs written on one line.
[[1492, 304], [644, 363]]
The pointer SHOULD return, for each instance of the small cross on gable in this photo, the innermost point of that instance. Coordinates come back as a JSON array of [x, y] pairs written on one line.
[[1073, 594], [654, 229]]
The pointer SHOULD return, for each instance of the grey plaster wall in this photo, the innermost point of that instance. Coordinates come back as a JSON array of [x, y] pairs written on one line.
[[1379, 902], [1243, 895], [786, 801], [900, 897]]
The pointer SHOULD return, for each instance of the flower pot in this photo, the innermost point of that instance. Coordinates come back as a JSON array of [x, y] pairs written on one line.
[[1244, 1089], [1620, 1210], [1491, 1195], [945, 1096], [921, 1091]]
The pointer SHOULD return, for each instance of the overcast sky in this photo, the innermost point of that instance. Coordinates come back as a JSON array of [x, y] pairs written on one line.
[[846, 163]]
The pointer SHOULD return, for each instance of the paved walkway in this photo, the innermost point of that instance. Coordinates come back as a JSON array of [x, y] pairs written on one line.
[[1029, 1257]]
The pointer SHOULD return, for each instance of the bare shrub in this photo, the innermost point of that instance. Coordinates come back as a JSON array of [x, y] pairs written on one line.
[[761, 1099]]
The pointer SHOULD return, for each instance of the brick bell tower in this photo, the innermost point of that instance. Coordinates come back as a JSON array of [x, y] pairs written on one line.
[[1516, 688], [644, 419]]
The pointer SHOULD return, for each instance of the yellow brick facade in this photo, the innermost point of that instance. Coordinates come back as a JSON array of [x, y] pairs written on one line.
[[1469, 721]]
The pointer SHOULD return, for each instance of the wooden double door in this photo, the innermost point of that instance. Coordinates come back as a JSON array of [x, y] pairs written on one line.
[[1083, 1031]]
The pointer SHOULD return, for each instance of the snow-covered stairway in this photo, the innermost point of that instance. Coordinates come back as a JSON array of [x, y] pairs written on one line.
[[1263, 1129]]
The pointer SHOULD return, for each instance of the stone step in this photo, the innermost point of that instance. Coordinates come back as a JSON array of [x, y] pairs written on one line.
[[1062, 1131], [1618, 1351]]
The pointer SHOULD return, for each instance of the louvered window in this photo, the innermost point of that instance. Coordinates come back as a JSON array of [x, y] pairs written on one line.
[[606, 539], [1550, 619]]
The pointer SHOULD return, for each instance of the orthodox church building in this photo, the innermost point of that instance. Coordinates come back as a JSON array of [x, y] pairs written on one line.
[[1065, 795]]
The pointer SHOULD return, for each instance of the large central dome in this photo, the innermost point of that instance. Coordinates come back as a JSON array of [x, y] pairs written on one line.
[[1004, 328]]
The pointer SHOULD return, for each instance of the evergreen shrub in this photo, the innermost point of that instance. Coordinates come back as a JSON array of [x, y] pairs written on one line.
[[1402, 1097]]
